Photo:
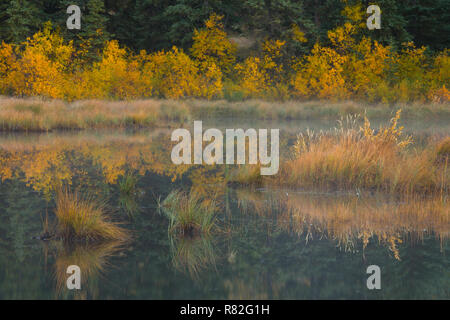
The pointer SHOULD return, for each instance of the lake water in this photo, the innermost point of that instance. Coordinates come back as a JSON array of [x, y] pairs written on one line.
[[271, 243]]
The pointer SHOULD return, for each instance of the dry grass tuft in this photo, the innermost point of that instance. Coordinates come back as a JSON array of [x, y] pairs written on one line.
[[350, 158], [85, 219]]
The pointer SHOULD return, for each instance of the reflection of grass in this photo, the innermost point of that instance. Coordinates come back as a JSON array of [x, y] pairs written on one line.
[[92, 260], [390, 223], [350, 219], [189, 214], [129, 205], [84, 218], [127, 194], [192, 254]]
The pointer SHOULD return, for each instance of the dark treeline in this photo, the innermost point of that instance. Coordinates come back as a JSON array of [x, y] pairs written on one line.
[[160, 24]]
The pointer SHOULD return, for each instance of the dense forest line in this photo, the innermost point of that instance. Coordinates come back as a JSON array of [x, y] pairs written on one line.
[[271, 49], [160, 24]]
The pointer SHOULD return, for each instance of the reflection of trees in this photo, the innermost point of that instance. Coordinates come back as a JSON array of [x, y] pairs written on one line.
[[49, 163], [21, 261]]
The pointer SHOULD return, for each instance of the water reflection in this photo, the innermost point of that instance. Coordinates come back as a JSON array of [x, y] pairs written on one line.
[[272, 244], [93, 260], [192, 255], [349, 220]]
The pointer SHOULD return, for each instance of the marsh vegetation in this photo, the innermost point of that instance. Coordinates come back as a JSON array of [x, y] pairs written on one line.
[[267, 238], [37, 114]]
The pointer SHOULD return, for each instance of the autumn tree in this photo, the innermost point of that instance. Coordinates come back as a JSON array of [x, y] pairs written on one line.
[[211, 45], [40, 71]]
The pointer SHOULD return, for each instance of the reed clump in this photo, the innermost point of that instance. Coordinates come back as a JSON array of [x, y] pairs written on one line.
[[83, 218], [189, 213], [351, 158]]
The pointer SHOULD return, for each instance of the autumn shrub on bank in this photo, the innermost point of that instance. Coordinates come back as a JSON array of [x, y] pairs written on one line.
[[350, 66]]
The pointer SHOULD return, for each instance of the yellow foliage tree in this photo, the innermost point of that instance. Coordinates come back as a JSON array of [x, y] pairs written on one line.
[[42, 64], [366, 69], [352, 66], [7, 60], [263, 77], [210, 82], [321, 75], [211, 45], [175, 75], [439, 78], [116, 77], [410, 66], [297, 34], [253, 78]]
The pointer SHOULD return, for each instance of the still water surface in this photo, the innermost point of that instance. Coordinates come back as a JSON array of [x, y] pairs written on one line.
[[272, 243]]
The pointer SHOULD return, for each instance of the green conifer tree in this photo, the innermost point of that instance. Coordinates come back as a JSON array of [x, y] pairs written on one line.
[[21, 21]]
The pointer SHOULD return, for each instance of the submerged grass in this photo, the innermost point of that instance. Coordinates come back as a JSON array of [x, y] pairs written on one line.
[[81, 218], [189, 213], [46, 115], [127, 185]]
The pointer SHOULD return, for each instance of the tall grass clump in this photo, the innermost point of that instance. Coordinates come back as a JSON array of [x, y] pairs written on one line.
[[189, 213], [443, 150], [380, 159], [81, 218], [127, 185]]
